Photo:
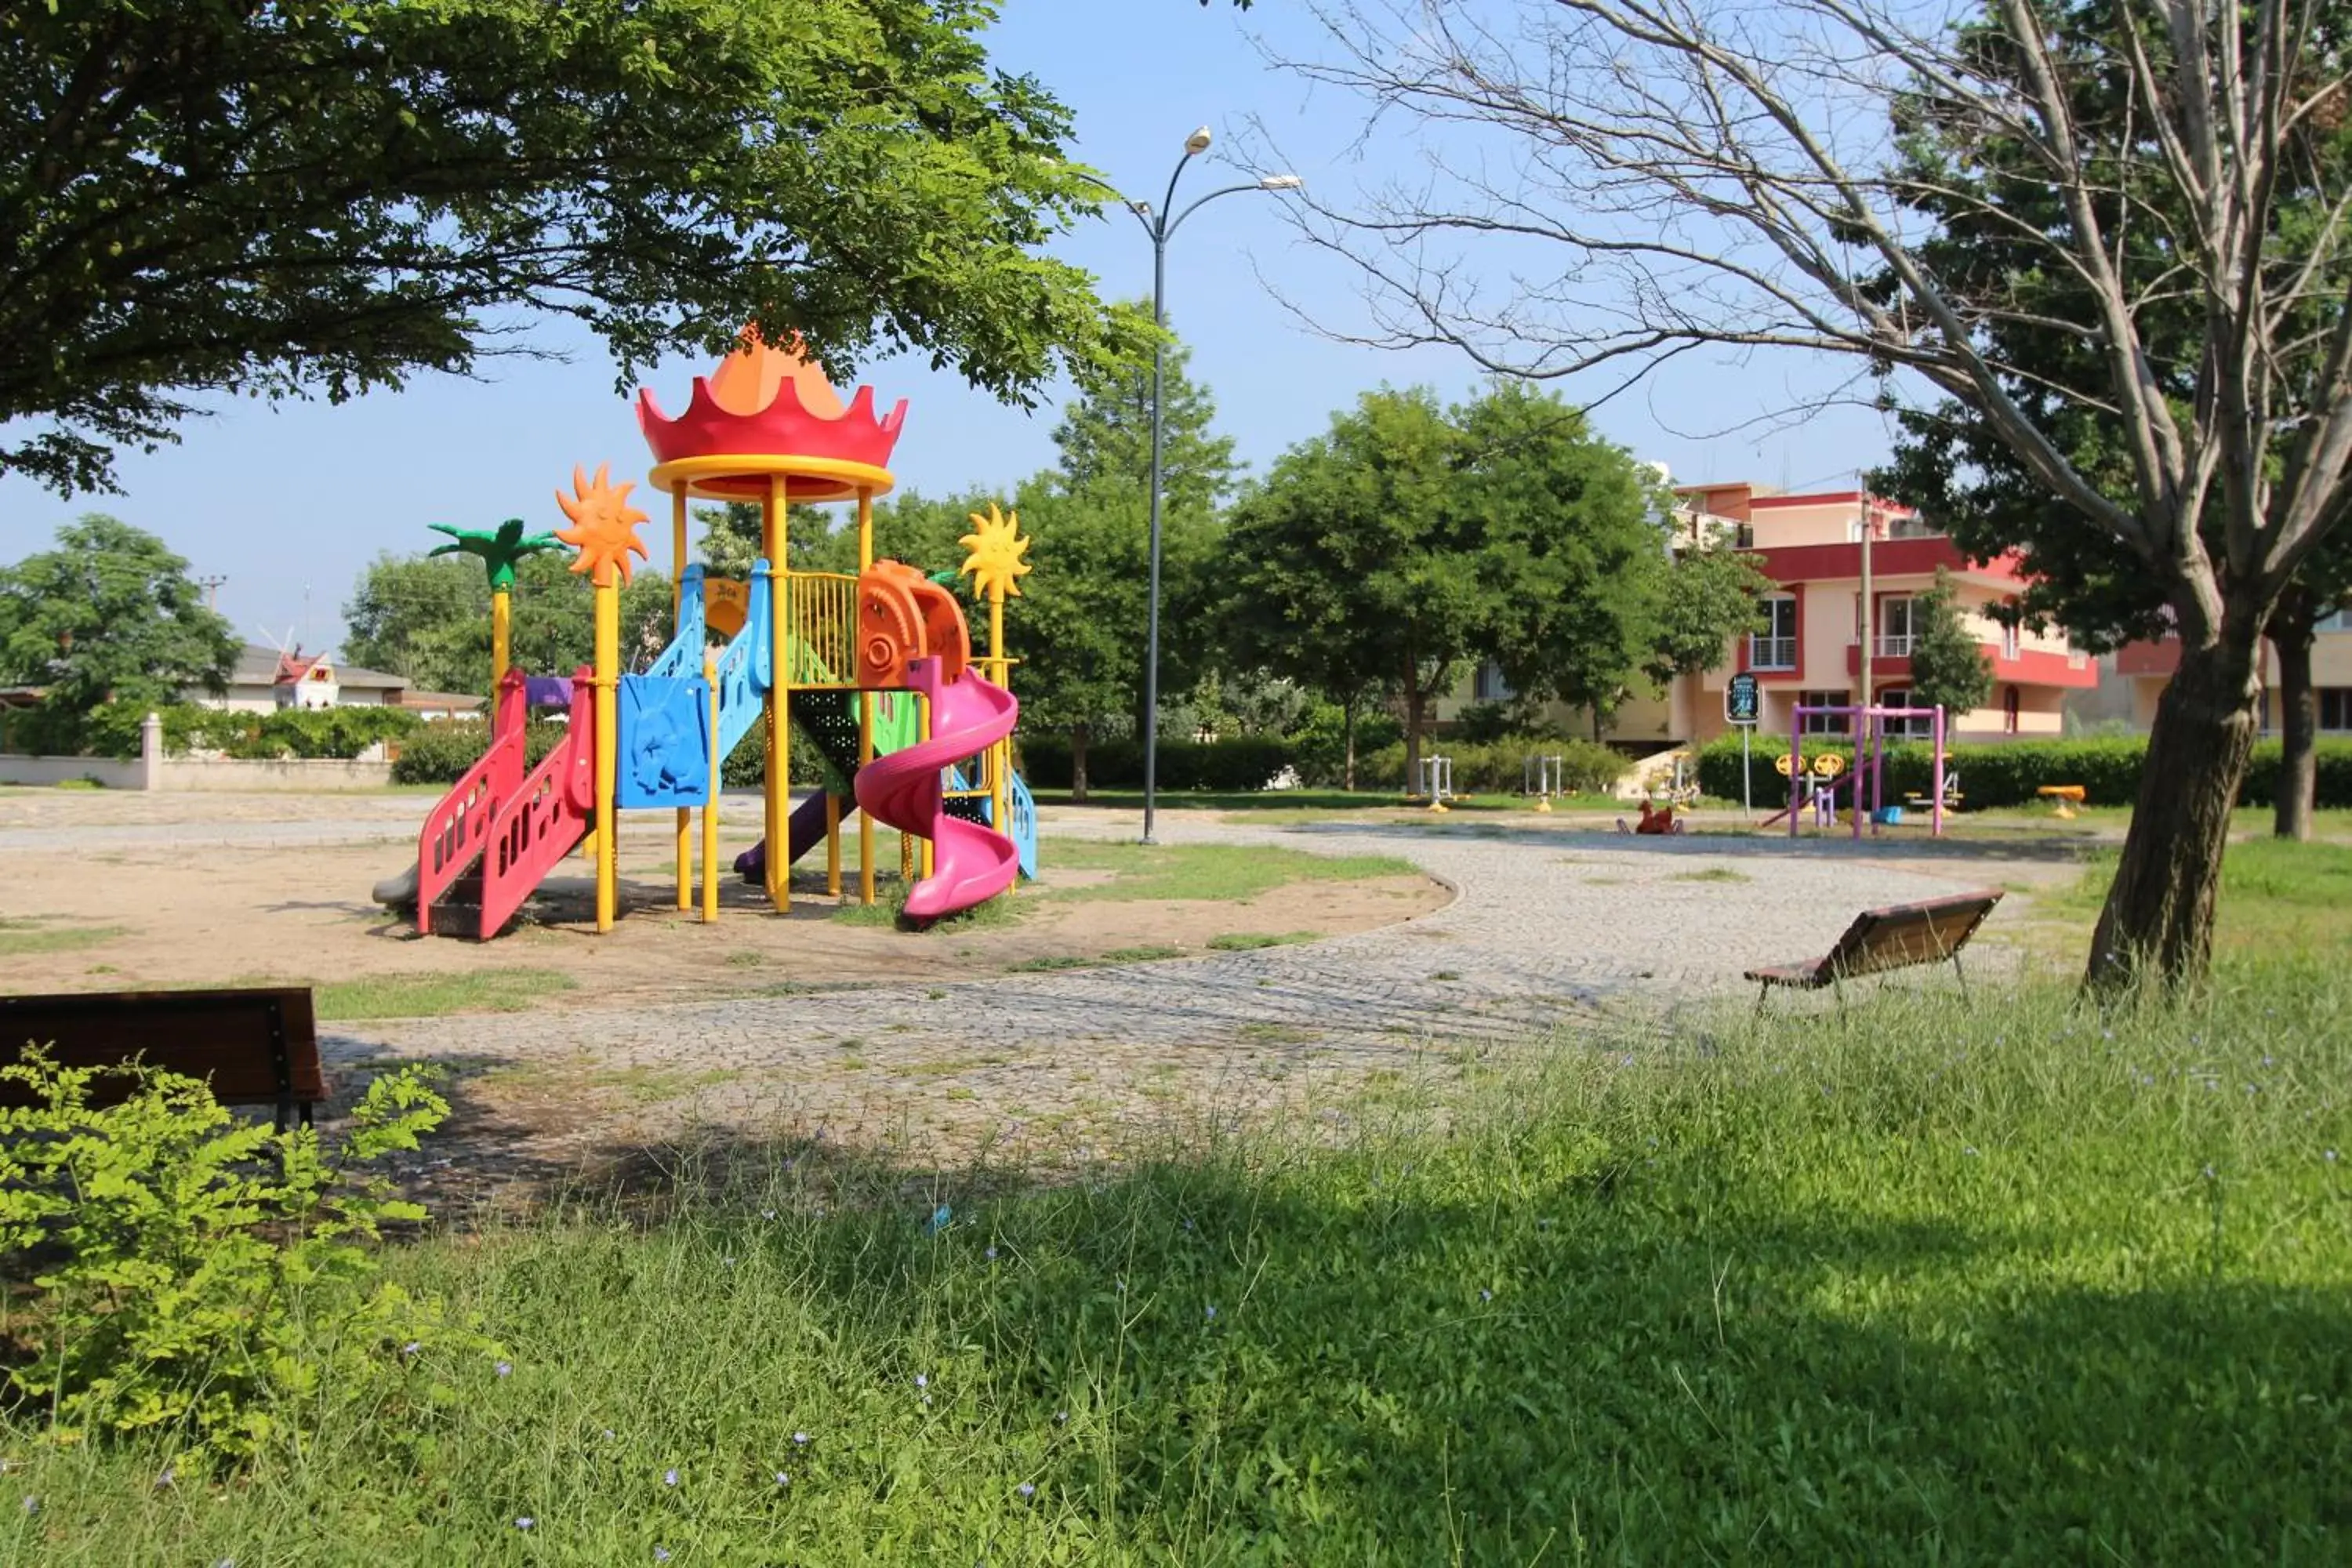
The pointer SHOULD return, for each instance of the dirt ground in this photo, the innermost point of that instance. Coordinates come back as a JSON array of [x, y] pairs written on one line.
[[108, 894]]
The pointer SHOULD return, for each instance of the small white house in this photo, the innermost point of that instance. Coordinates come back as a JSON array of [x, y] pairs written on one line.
[[265, 680]]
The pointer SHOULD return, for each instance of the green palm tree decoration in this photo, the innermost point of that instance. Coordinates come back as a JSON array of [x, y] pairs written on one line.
[[500, 550]]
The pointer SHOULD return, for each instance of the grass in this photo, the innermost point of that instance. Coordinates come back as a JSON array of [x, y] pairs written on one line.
[[1222, 873], [433, 996], [2277, 896], [1251, 941], [1917, 1283], [25, 936], [1057, 960], [1712, 874]]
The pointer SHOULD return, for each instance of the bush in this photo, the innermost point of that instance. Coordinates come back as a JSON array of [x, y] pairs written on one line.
[[1499, 767], [1321, 743], [2007, 772], [114, 730], [439, 754], [198, 1273]]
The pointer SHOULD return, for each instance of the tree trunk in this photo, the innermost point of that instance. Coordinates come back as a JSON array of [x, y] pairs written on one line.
[[1077, 765], [2298, 779], [1411, 727], [1348, 730], [2157, 923]]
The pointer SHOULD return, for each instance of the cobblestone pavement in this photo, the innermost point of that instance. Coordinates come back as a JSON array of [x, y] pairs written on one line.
[[1549, 925]]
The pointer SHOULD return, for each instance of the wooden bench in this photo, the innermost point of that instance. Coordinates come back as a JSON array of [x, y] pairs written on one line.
[[254, 1047], [1896, 937]]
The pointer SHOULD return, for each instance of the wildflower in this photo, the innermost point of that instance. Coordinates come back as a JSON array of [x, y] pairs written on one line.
[[1970, 1150], [164, 1479], [670, 1478], [524, 1521], [783, 1477], [1212, 1311], [767, 1213], [661, 1553], [1485, 1295], [1027, 1489], [2208, 1173], [608, 1434], [727, 1263], [2330, 1156], [1061, 1417], [940, 1218], [505, 1368], [989, 1254], [32, 1505], [922, 1380], [799, 1439], [412, 1348]]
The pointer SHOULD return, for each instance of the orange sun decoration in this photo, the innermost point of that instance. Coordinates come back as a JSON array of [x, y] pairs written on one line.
[[603, 524]]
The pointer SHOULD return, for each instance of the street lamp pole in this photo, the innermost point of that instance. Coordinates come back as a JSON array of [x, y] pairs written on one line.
[[1161, 224]]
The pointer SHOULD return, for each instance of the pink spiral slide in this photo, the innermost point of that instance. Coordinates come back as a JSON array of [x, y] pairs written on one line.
[[970, 863]]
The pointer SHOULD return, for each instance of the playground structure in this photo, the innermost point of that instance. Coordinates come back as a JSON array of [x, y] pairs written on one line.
[[1864, 784], [1540, 775], [916, 731], [1436, 781]]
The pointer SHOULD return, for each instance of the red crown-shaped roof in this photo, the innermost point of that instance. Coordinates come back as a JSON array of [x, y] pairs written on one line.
[[771, 403]]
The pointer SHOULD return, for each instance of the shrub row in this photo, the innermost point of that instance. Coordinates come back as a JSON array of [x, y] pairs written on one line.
[[1249, 761], [2001, 774], [1242, 762], [1499, 767], [113, 729], [440, 753]]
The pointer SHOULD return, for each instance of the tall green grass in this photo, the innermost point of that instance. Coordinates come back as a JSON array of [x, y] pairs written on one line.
[[1915, 1282]]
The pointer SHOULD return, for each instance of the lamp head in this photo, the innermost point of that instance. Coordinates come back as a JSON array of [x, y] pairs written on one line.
[[1280, 183], [1197, 143]]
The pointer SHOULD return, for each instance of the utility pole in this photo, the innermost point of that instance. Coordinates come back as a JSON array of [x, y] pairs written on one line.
[[211, 585]]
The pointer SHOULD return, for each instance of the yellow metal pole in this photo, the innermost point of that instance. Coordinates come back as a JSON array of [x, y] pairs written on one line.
[[833, 843], [771, 545], [865, 707], [1000, 756], [608, 667], [710, 806], [677, 550], [502, 639]]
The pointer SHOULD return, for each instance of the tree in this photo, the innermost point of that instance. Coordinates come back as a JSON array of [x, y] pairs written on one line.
[[1706, 179], [1711, 596], [108, 614], [1948, 667], [428, 618], [1105, 434], [1347, 570], [1572, 557], [329, 195]]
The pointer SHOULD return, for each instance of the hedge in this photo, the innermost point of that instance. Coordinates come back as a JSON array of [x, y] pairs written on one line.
[[1499, 767], [114, 729], [1243, 762], [440, 753], [2008, 772]]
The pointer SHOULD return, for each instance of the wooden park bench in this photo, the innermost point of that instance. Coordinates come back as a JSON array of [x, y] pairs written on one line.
[[254, 1047], [1932, 930]]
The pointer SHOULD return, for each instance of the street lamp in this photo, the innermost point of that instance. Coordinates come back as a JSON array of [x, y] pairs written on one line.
[[1161, 226]]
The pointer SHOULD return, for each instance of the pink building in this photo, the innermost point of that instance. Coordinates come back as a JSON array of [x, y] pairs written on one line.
[[1810, 648]]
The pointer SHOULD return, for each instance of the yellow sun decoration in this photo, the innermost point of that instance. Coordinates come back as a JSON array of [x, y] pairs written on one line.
[[603, 524], [992, 554]]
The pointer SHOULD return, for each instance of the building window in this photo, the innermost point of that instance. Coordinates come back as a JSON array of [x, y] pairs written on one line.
[[1488, 685], [1775, 646], [1895, 628], [2335, 708], [2009, 639], [1826, 723], [2009, 708], [1919, 728]]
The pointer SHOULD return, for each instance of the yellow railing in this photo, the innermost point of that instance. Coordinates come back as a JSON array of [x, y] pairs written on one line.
[[821, 620]]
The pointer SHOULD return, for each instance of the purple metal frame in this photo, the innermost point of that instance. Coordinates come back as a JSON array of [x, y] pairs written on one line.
[[1868, 726]]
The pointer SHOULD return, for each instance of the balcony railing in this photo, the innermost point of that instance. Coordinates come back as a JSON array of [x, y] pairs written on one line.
[[1894, 646], [1772, 653]]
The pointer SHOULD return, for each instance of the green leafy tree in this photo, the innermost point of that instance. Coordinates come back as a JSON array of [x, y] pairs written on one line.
[[1948, 667], [323, 196], [1710, 597], [1349, 572], [1572, 559], [1105, 434], [108, 614], [429, 617]]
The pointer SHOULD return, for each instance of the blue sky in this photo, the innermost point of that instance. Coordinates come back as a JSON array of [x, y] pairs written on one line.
[[289, 502]]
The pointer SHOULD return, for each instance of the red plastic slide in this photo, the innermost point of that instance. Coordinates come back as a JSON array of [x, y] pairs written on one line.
[[456, 830], [970, 863], [543, 819]]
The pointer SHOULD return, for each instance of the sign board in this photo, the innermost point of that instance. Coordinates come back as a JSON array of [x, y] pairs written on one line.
[[1742, 704]]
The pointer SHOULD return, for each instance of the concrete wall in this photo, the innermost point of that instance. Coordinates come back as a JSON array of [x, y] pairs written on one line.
[[152, 770]]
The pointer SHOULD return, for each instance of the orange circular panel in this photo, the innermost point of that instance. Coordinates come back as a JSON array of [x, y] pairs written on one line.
[[729, 476]]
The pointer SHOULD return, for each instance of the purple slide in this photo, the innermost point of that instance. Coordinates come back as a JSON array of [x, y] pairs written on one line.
[[806, 832]]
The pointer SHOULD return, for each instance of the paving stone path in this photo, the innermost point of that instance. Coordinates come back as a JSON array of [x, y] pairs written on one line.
[[1547, 926]]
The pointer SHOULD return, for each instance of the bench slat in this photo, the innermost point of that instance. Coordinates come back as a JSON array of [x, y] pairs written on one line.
[[257, 1046], [1896, 936]]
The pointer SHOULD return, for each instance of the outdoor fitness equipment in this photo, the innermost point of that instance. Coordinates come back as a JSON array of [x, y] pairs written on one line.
[[1540, 776], [1437, 781]]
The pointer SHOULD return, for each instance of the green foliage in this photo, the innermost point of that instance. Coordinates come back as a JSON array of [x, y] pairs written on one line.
[[440, 752], [114, 730], [1236, 762], [1948, 666], [2007, 772], [1709, 596], [108, 615], [198, 1275], [1321, 737], [1499, 767], [329, 196], [429, 617], [1105, 434], [1625, 1299]]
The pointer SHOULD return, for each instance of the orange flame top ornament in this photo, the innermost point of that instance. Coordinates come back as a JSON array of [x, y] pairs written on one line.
[[768, 410], [603, 525]]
